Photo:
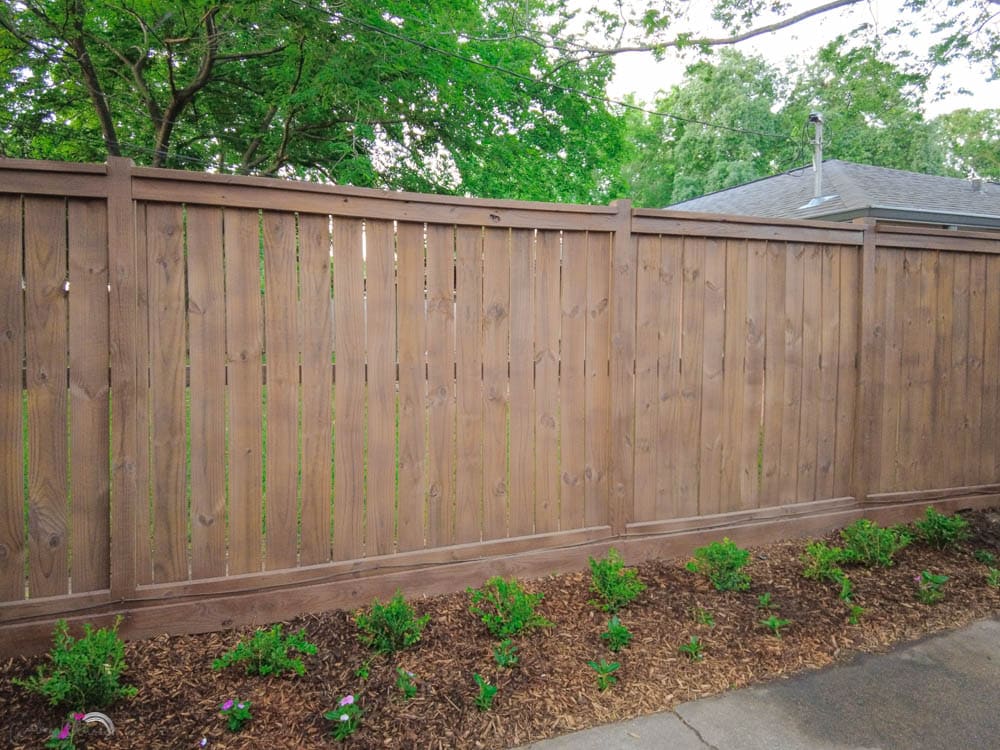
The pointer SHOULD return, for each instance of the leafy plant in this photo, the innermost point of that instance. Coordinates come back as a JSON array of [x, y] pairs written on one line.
[[704, 617], [993, 577], [692, 649], [364, 671], [866, 543], [764, 601], [775, 624], [930, 587], [985, 557], [82, 673], [605, 673], [505, 653], [617, 635], [268, 652], [941, 531], [487, 692], [346, 717], [722, 563], [506, 608], [854, 613], [236, 714], [64, 738], [406, 684], [388, 628], [822, 563], [615, 584]]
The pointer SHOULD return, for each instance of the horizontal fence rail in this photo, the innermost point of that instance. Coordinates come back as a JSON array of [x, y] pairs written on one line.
[[226, 398]]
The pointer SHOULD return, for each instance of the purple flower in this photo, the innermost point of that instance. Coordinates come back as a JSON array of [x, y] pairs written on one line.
[[64, 732], [204, 742], [227, 705], [78, 716], [347, 700]]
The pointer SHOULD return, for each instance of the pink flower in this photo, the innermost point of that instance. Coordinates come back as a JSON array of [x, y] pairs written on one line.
[[239, 705], [64, 733], [227, 705], [347, 700], [78, 716]]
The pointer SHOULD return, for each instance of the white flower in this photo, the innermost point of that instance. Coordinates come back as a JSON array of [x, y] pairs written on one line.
[[345, 717]]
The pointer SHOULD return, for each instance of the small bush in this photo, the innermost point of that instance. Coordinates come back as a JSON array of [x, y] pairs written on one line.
[[775, 624], [605, 673], [822, 563], [941, 531], [692, 649], [722, 563], [268, 652], [985, 557], [505, 654], [346, 718], [487, 693], [506, 608], [82, 674], [615, 584], [617, 635], [866, 543], [930, 587], [388, 628]]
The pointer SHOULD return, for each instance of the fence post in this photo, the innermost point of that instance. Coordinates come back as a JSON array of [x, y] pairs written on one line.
[[123, 319], [871, 341], [623, 310]]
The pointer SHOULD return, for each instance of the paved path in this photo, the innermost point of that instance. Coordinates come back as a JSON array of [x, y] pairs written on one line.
[[941, 693]]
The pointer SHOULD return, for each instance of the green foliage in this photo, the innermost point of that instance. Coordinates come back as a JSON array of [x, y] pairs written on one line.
[[764, 601], [941, 531], [388, 628], [822, 563], [82, 673], [268, 652], [505, 653], [930, 587], [605, 673], [985, 557], [487, 692], [855, 612], [505, 607], [364, 671], [704, 617], [615, 585], [775, 624], [236, 714], [617, 635], [64, 737], [866, 543], [346, 718], [406, 683], [722, 563], [993, 577], [692, 649]]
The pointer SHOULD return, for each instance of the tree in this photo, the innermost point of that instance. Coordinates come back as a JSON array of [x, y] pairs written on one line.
[[441, 96], [971, 140]]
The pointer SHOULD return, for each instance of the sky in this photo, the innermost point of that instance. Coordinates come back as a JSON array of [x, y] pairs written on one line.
[[640, 74]]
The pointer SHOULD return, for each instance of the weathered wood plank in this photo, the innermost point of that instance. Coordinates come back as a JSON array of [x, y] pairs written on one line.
[[942, 457], [959, 369], [647, 452], [572, 401], [976, 375], [547, 324], [713, 336], [751, 458], [496, 355], [829, 356], [522, 383], [774, 373], [990, 456], [692, 377], [847, 369], [133, 432], [598, 386], [734, 377], [791, 435], [622, 433], [898, 296], [812, 342], [670, 394], [469, 369]]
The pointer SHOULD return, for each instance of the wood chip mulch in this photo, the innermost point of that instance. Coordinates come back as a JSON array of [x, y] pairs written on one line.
[[552, 690]]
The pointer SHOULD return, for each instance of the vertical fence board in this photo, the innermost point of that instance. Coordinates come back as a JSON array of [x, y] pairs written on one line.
[[847, 371], [573, 345], [774, 373], [547, 382], [976, 375], [469, 384], [924, 433], [894, 322], [281, 340], [957, 436], [144, 494], [522, 388], [380, 307], [791, 435], [647, 306], [207, 339], [349, 394], [909, 358], [713, 341], [244, 345], [316, 334], [598, 386], [692, 340], [440, 385], [496, 322], [753, 379], [90, 440], [622, 368], [942, 456], [165, 224], [670, 396], [11, 447], [829, 354], [990, 459], [734, 376], [812, 333], [410, 311]]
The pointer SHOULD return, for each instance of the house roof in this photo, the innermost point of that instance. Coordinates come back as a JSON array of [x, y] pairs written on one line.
[[854, 190]]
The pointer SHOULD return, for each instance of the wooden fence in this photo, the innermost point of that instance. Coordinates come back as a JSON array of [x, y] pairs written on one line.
[[227, 399]]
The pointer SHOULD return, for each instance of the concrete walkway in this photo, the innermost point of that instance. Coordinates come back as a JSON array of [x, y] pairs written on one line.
[[941, 693]]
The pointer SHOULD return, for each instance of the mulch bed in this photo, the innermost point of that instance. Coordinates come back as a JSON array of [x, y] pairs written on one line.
[[552, 690]]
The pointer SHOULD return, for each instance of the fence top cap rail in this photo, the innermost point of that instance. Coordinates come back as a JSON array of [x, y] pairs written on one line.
[[926, 231], [661, 213], [41, 165], [273, 183]]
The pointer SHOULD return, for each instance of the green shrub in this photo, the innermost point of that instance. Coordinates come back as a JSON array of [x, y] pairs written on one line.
[[617, 635], [985, 557], [692, 649], [615, 584], [82, 674], [866, 543], [821, 563], [941, 531], [388, 628], [506, 608], [505, 654], [775, 624], [722, 563], [487, 693], [268, 652], [605, 673]]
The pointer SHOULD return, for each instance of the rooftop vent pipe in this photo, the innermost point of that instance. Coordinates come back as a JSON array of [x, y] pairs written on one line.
[[816, 119]]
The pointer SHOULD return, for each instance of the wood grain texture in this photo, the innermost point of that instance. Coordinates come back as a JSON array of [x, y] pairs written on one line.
[[976, 376], [522, 383], [90, 438], [753, 378], [713, 338], [847, 368], [670, 396], [829, 361], [734, 376], [131, 417], [692, 377], [496, 355], [812, 341], [647, 306], [623, 343], [469, 383], [943, 457], [990, 455], [598, 385], [572, 401], [206, 311], [774, 374], [791, 412], [547, 324], [12, 546]]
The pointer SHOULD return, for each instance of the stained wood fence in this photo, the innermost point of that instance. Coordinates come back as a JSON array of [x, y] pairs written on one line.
[[226, 399]]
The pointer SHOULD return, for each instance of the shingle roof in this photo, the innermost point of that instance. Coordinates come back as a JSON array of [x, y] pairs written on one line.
[[858, 190]]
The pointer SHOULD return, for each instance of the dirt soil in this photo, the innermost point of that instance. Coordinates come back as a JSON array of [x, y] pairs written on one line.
[[552, 690]]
